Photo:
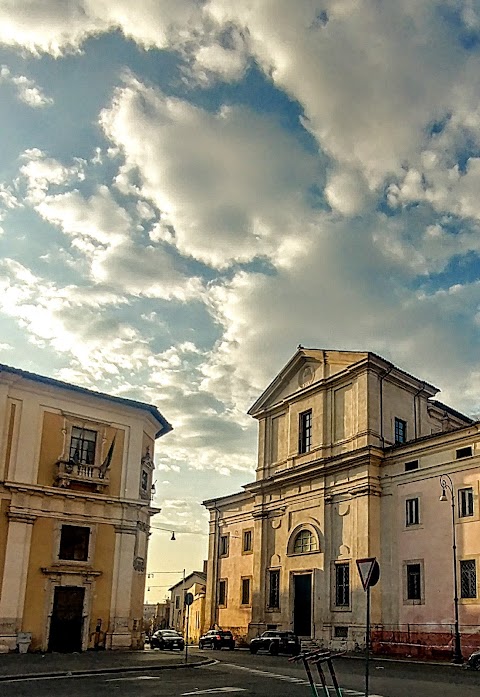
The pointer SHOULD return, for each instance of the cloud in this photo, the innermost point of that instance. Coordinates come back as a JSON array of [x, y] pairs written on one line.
[[58, 27], [27, 91], [230, 185]]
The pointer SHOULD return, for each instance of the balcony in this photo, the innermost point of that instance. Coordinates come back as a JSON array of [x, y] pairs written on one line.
[[72, 475]]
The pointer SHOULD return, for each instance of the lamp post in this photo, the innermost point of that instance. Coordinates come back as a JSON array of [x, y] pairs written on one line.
[[447, 484]]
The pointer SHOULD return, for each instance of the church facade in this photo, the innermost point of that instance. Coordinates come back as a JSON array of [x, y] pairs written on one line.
[[350, 454]]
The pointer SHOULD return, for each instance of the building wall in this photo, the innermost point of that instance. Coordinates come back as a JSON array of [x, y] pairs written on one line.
[[41, 491], [349, 491]]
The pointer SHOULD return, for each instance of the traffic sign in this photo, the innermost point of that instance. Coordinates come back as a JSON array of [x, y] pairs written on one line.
[[369, 571], [188, 598]]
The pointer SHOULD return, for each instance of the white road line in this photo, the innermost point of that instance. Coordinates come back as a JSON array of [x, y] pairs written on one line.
[[214, 690], [291, 679]]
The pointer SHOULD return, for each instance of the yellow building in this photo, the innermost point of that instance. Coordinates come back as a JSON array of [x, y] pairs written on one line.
[[76, 472], [350, 454]]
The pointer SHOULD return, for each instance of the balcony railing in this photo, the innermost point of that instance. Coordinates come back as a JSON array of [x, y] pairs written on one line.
[[69, 472]]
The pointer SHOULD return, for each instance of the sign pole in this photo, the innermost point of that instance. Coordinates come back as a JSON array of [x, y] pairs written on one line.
[[367, 658], [369, 572], [188, 601], [186, 634]]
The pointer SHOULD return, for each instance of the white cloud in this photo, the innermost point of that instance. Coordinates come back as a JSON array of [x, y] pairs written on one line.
[[56, 26], [27, 91], [231, 185]]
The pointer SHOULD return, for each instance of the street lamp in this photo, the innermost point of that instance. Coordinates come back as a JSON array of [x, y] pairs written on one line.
[[447, 484]]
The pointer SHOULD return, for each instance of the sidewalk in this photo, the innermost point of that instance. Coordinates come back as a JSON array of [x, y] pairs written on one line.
[[16, 666]]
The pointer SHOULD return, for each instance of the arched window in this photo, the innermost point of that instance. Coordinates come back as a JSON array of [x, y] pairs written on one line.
[[305, 541]]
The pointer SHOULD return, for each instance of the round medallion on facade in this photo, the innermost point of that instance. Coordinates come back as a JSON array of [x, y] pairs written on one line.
[[306, 376]]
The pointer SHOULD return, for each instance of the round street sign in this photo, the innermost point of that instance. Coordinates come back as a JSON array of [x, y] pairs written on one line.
[[188, 598]]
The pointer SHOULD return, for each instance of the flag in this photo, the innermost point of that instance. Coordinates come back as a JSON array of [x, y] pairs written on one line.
[[108, 460]]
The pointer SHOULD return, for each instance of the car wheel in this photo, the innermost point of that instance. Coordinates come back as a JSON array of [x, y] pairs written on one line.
[[476, 663], [273, 648], [200, 645], [253, 649], [232, 647]]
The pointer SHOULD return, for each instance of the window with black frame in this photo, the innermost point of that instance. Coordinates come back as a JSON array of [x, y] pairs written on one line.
[[414, 582], [274, 589], [74, 543], [342, 584], [82, 446], [465, 502], [400, 431], [305, 432], [468, 578]]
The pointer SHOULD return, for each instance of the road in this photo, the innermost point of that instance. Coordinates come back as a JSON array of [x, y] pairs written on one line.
[[239, 673]]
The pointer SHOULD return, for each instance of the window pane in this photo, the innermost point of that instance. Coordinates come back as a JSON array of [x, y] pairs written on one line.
[[465, 502], [245, 591], [468, 579], [412, 517], [342, 584], [222, 592], [74, 543], [224, 545], [400, 430], [305, 541], [274, 589], [305, 432], [247, 541], [82, 446], [413, 582]]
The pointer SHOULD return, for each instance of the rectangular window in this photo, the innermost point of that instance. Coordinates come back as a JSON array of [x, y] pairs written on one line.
[[274, 589], [414, 582], [177, 602], [222, 593], [340, 632], [412, 512], [468, 579], [224, 545], [245, 591], [82, 446], [400, 431], [412, 465], [74, 542], [463, 452], [247, 540], [342, 585], [305, 432], [465, 502]]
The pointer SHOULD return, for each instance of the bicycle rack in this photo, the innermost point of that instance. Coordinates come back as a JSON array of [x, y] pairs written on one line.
[[316, 658]]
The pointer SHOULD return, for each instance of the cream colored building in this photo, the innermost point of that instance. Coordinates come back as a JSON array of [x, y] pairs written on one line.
[[350, 451], [75, 505], [194, 580]]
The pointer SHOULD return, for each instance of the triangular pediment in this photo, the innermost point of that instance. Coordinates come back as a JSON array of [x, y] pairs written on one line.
[[304, 369]]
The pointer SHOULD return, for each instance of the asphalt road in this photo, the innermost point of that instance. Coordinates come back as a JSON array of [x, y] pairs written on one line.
[[239, 673]]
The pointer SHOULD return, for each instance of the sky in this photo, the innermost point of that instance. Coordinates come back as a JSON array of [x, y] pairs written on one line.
[[191, 188]]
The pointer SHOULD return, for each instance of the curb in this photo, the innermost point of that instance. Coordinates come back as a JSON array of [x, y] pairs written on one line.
[[103, 671]]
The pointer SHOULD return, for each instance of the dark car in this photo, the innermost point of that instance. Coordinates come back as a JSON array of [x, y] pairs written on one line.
[[473, 662], [167, 639], [276, 642], [217, 639]]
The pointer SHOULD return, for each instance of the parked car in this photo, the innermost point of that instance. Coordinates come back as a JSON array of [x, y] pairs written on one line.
[[217, 639], [167, 639], [473, 662], [276, 642]]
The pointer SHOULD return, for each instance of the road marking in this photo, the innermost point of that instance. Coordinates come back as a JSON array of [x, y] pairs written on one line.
[[291, 679], [214, 690], [134, 677]]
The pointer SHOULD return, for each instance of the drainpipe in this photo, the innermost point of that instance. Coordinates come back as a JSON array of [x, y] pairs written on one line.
[[382, 377], [216, 541], [415, 408]]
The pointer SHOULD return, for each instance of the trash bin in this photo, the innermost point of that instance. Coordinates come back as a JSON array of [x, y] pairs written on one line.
[[24, 639]]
